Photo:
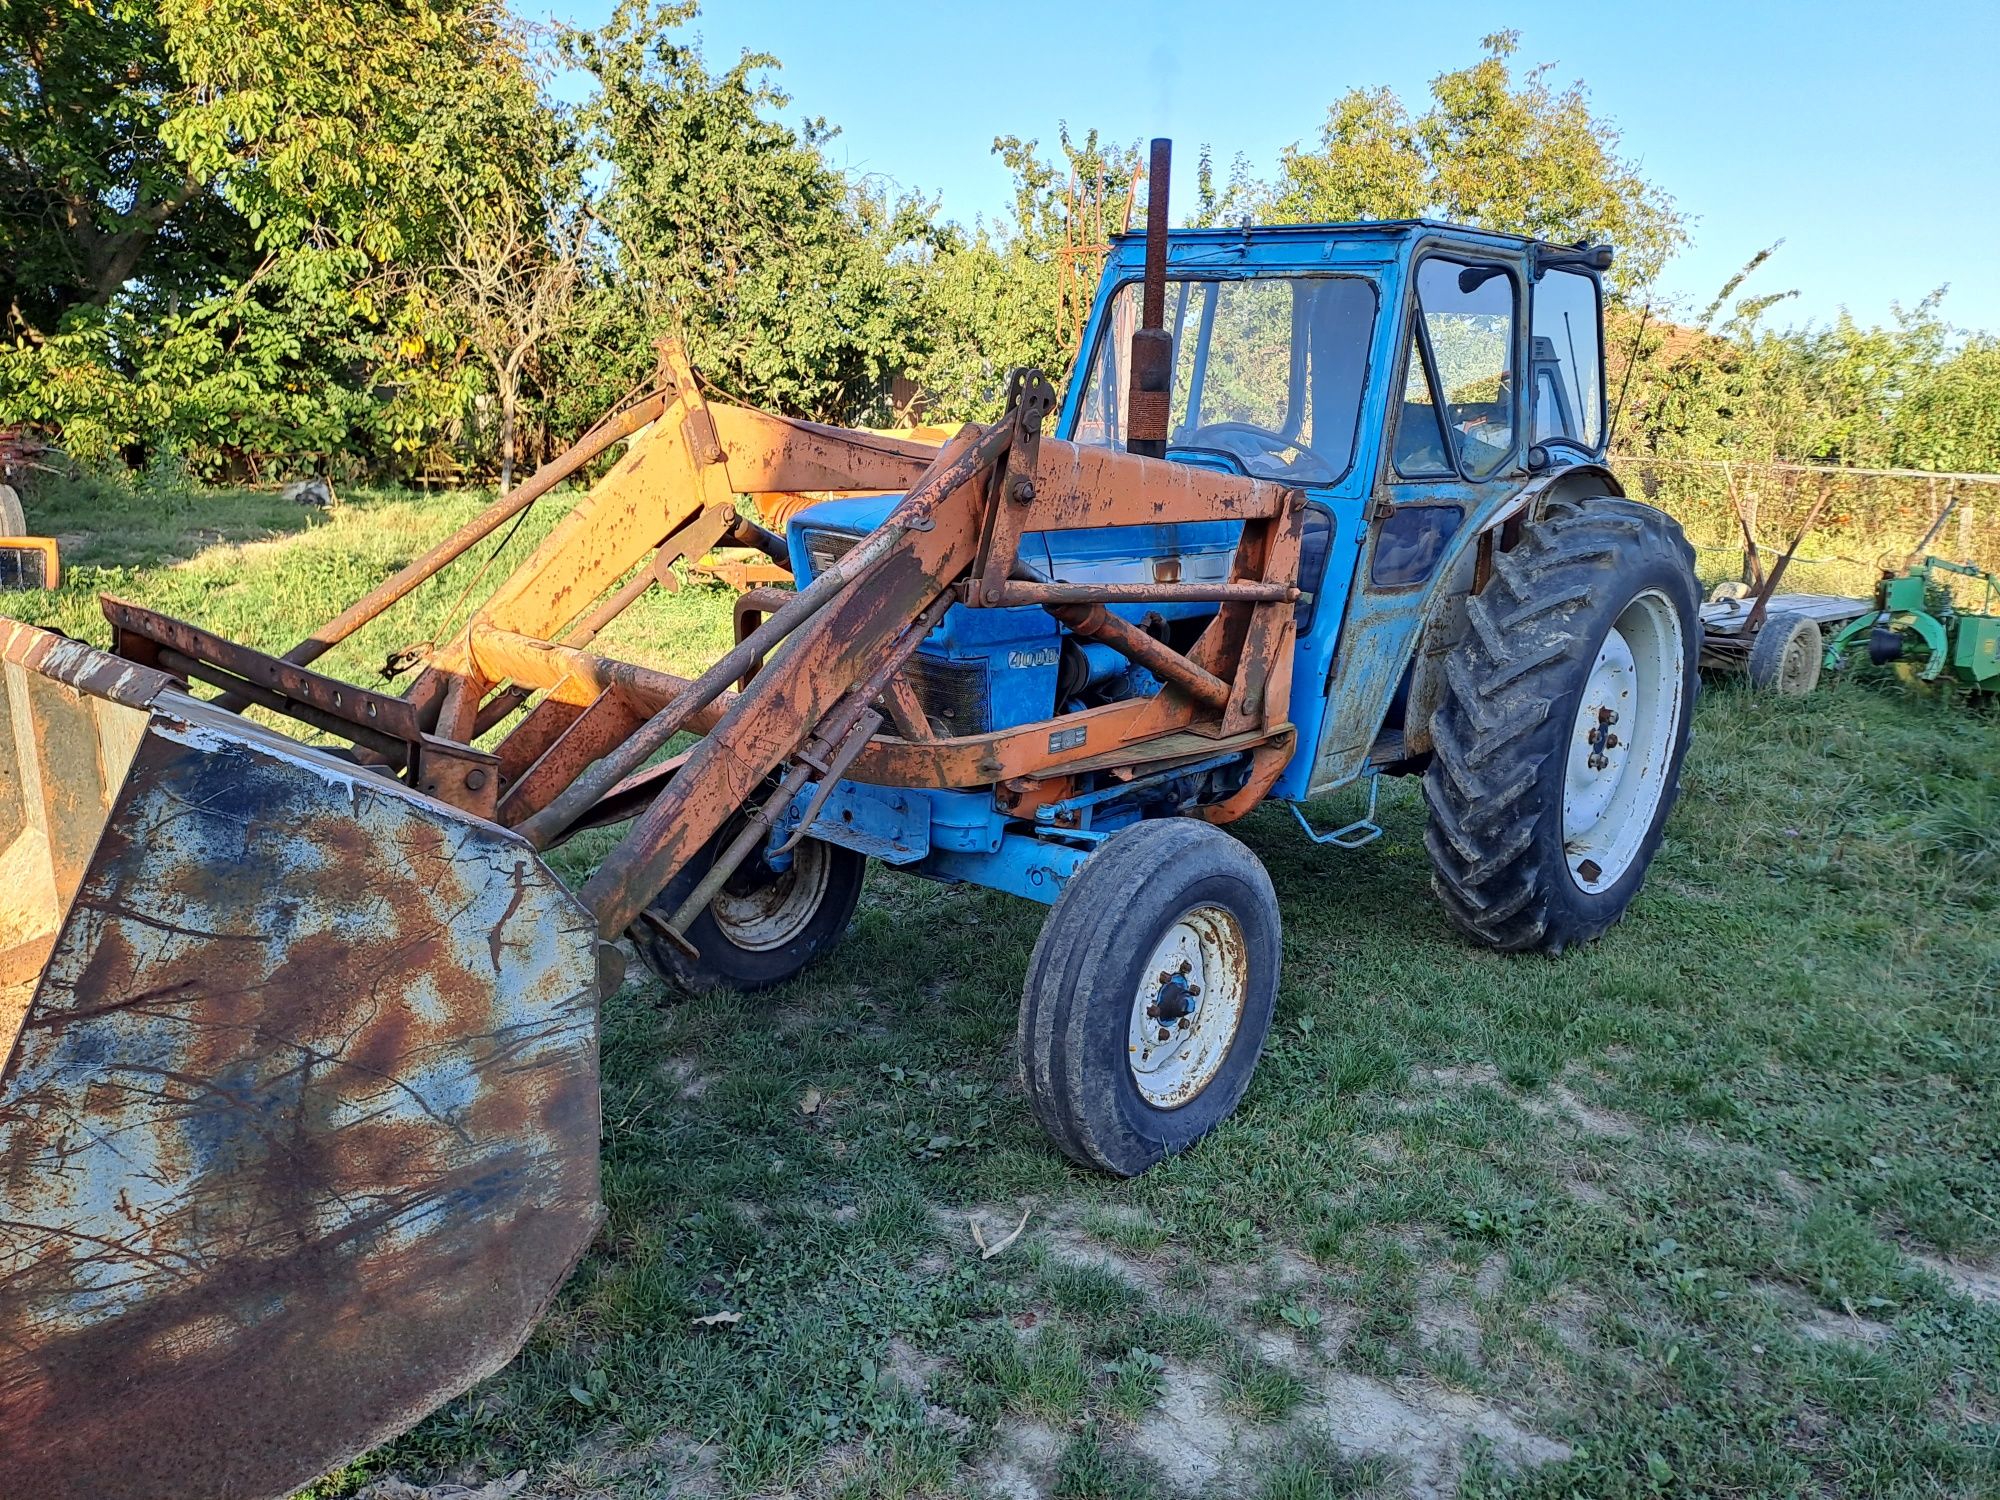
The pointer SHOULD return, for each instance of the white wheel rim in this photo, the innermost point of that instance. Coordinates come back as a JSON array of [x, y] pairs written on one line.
[[776, 912], [1202, 964], [1622, 742], [1796, 671]]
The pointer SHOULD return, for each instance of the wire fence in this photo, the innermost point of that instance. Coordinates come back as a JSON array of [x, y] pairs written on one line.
[[1868, 520]]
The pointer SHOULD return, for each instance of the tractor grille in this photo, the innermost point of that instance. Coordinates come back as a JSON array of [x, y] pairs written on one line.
[[953, 693], [825, 548]]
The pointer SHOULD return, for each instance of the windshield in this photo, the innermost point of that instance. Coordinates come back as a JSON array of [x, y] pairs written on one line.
[[1267, 372]]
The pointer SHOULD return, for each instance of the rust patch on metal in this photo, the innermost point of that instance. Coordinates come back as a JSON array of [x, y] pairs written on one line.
[[300, 1133]]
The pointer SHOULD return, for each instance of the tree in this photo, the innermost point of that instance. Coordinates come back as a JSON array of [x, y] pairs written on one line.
[[215, 192], [994, 287], [91, 197], [1523, 158], [1950, 417], [513, 277], [790, 285]]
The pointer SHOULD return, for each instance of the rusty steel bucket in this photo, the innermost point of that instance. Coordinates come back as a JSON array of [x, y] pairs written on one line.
[[299, 1114]]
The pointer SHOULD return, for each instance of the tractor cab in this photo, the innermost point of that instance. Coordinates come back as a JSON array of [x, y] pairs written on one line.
[[1411, 379]]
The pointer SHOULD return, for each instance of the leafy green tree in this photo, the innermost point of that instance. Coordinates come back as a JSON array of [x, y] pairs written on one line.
[[790, 286], [994, 288], [91, 197], [337, 125], [219, 194], [1506, 154], [1949, 418]]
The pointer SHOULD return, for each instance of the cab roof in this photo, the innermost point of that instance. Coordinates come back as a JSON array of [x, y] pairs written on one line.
[[1284, 241]]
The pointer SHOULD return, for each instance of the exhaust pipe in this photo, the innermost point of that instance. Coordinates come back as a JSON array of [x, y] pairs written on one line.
[[1152, 382]]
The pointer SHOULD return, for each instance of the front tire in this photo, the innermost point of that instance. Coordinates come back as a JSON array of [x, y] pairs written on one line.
[[1149, 995], [1565, 719], [764, 927]]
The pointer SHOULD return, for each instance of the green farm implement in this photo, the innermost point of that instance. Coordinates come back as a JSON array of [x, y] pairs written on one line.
[[1920, 625]]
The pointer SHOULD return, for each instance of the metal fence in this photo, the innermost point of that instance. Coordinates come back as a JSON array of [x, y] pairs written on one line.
[[1868, 519]]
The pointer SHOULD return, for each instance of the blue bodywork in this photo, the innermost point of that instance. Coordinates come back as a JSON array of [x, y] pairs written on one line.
[[1361, 617]]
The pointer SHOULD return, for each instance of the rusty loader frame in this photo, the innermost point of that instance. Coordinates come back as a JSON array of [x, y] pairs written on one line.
[[337, 1145]]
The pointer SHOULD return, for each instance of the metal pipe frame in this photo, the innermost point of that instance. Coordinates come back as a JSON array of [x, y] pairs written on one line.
[[831, 655]]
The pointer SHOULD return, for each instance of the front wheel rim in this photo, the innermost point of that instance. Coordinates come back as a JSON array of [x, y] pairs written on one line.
[[758, 914], [1621, 746], [1188, 1006]]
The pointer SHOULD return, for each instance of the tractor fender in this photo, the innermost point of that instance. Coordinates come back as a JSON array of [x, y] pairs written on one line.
[[1580, 481], [1445, 624]]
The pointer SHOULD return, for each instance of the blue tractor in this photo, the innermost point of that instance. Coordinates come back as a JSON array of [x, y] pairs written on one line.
[[1476, 603], [1321, 504]]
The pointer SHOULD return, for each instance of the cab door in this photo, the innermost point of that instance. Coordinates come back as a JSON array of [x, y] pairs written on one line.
[[1452, 452]]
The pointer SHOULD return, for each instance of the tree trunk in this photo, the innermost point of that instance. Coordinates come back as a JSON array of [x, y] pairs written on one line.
[[510, 397]]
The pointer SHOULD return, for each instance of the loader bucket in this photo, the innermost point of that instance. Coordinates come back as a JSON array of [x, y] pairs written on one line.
[[298, 1108]]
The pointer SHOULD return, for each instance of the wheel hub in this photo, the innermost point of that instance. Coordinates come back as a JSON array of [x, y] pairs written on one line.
[[1621, 743], [1188, 1005], [760, 908], [1176, 1000]]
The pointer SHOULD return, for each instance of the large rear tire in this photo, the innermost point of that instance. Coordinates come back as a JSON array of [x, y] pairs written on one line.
[[1566, 715], [1149, 995]]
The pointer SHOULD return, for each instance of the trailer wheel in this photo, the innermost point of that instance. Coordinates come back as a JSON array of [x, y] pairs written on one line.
[[763, 927], [1785, 656], [1149, 995], [1559, 740]]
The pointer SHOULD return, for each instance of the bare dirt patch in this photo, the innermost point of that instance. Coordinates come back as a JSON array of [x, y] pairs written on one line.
[[686, 1076], [1190, 1437], [1558, 1101], [1381, 1148], [1796, 1191], [1491, 1278], [1469, 1075], [1569, 1318], [908, 1366], [1020, 1463], [1073, 1248], [1980, 1283], [397, 1489], [1425, 1432], [1844, 1328], [1288, 1353]]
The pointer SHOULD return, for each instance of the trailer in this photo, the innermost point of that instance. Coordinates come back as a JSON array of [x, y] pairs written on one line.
[[1783, 641], [1776, 640]]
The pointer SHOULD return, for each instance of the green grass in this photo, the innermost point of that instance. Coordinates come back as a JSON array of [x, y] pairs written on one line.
[[1668, 1209]]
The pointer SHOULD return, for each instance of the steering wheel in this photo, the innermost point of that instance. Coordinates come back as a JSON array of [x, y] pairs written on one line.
[[1563, 440], [1254, 442]]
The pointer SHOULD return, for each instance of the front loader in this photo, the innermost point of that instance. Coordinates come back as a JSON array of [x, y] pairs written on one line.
[[299, 1121]]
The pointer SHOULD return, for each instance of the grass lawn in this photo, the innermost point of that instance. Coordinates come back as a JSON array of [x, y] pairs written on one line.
[[1711, 1207]]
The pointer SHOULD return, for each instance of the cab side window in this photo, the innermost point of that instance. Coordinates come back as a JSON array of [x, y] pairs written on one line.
[[1569, 359], [1422, 451], [1467, 314]]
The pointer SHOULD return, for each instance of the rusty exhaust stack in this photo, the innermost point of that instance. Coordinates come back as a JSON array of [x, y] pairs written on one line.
[[1152, 348]]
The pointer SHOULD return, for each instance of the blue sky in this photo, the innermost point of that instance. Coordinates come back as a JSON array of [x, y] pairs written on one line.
[[1860, 135]]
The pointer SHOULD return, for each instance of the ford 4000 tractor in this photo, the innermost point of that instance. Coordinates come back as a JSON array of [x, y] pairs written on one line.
[[299, 1119]]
